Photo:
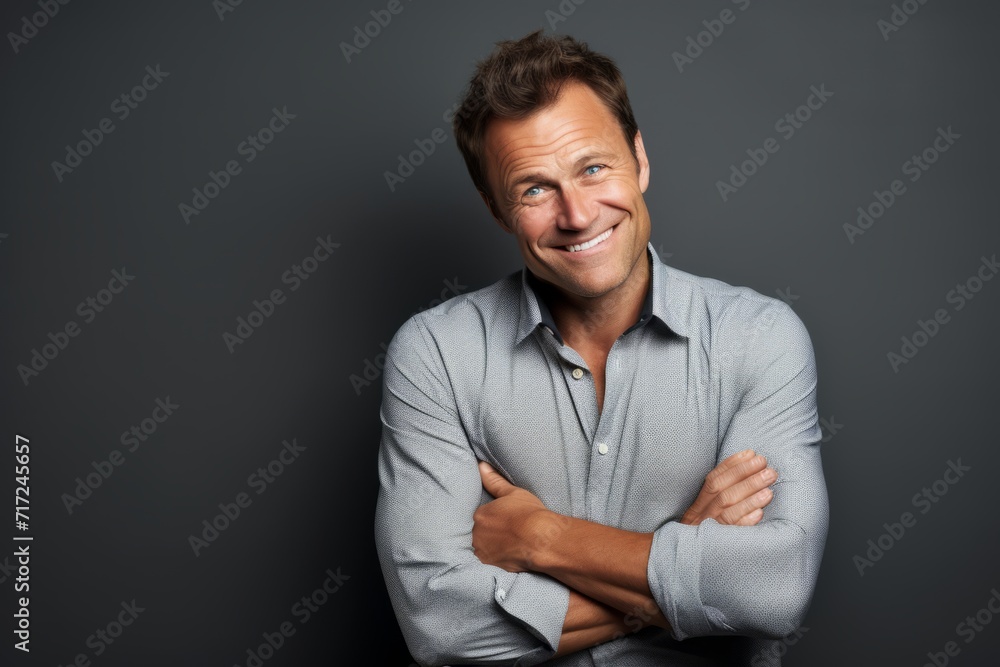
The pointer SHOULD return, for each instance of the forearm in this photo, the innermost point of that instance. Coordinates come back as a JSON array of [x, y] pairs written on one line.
[[588, 623], [612, 569]]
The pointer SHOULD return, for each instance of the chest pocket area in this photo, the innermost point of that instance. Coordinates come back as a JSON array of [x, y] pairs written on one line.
[[531, 434]]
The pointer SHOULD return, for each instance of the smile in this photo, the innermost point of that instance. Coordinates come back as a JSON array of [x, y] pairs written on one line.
[[591, 243]]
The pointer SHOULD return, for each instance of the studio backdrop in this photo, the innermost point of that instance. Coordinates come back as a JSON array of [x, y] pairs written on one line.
[[216, 214]]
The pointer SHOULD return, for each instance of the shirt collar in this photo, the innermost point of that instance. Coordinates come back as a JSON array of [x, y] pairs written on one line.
[[658, 303]]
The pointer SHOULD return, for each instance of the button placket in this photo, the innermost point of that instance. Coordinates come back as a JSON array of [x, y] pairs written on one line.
[[601, 465]]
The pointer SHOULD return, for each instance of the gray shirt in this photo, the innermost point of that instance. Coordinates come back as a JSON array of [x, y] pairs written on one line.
[[714, 370]]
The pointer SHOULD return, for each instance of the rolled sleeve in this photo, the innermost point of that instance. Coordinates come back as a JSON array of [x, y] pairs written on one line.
[[451, 607], [756, 580]]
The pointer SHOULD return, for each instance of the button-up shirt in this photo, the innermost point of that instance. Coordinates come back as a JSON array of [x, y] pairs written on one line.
[[709, 370]]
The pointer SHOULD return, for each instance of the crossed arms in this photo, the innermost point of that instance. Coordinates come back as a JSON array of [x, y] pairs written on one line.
[[538, 582], [609, 590]]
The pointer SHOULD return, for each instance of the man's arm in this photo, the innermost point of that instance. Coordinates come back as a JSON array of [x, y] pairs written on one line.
[[710, 578], [757, 581], [518, 533], [588, 623], [451, 607]]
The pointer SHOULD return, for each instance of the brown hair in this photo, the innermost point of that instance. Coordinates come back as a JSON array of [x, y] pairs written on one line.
[[520, 77]]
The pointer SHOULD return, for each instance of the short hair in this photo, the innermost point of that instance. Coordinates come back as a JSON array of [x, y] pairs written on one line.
[[523, 76]]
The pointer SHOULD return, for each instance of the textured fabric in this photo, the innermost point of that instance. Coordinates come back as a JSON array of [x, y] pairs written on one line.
[[714, 370]]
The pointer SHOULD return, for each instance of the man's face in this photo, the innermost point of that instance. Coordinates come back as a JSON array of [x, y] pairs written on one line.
[[566, 185]]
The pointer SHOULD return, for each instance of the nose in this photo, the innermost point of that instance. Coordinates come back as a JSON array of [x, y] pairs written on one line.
[[577, 209]]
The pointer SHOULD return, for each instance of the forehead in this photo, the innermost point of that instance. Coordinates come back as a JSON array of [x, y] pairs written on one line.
[[578, 120]]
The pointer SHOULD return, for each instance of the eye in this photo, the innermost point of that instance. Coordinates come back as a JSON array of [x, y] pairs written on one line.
[[537, 195], [593, 169]]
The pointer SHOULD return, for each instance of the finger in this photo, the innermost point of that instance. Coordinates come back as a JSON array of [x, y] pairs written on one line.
[[494, 482], [721, 479], [732, 515], [740, 491], [733, 460], [751, 519], [711, 487]]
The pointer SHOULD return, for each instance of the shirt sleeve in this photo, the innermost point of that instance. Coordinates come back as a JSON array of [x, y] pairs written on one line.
[[755, 580], [451, 607]]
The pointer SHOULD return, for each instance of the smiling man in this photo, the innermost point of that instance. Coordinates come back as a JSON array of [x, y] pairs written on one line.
[[599, 460]]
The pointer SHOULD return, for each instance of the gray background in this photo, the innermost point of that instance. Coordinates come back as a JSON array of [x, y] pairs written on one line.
[[324, 175]]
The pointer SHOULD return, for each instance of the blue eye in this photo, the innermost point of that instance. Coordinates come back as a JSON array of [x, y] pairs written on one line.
[[593, 169], [533, 191]]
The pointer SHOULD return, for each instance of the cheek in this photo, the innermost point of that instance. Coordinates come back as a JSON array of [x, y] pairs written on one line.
[[617, 190], [532, 221]]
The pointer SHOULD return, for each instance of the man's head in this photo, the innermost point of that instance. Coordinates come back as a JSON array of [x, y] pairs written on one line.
[[520, 77], [550, 141]]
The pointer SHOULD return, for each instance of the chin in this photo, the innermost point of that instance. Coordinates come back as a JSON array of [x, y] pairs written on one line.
[[595, 288]]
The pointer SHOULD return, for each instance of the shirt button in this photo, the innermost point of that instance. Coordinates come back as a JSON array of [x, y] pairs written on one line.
[[602, 449], [577, 373], [501, 594]]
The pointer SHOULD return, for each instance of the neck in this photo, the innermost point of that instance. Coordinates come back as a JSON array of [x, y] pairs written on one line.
[[586, 322]]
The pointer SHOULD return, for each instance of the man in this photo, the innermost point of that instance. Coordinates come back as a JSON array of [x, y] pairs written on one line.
[[577, 462]]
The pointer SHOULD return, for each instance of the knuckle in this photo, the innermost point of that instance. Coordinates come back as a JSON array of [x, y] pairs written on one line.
[[712, 483]]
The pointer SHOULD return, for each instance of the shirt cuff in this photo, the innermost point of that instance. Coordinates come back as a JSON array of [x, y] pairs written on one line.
[[674, 575], [539, 603]]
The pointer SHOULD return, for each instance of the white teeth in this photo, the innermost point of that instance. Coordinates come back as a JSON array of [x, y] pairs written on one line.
[[589, 244]]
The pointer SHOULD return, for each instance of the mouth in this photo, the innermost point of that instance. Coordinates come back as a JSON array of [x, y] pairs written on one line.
[[596, 241]]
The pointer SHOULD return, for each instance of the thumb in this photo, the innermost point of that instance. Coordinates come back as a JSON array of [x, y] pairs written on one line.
[[494, 482]]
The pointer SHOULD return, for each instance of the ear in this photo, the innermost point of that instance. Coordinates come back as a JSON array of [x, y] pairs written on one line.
[[493, 211], [640, 156]]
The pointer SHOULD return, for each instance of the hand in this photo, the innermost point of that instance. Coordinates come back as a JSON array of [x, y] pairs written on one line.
[[505, 529], [735, 492]]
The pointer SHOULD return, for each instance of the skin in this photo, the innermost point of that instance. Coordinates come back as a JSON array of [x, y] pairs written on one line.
[[564, 176], [561, 177]]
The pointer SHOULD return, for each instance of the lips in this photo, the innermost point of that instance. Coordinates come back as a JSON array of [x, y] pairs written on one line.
[[597, 240]]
